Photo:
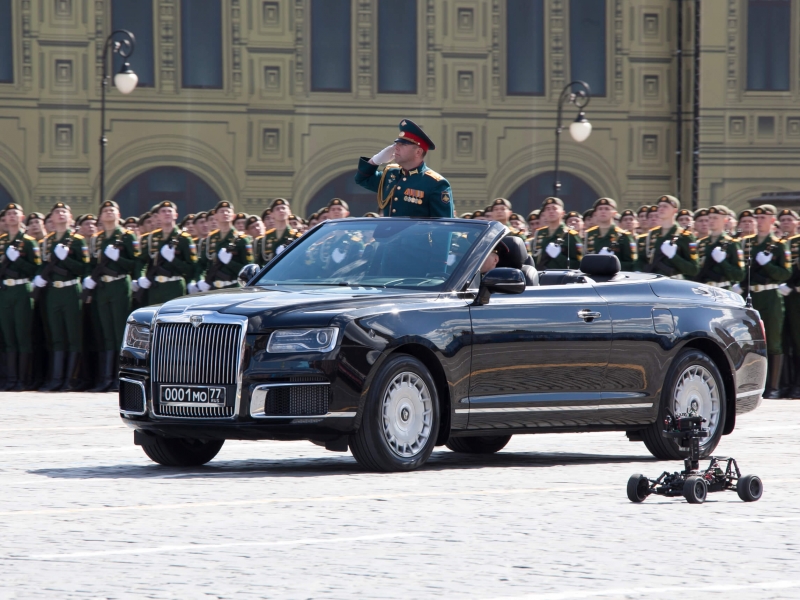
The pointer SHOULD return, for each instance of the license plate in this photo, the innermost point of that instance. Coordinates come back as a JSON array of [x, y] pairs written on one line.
[[194, 395]]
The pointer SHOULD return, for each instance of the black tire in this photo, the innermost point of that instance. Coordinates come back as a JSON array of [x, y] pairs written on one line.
[[374, 446], [749, 488], [482, 444], [695, 490], [638, 485], [668, 448], [182, 452]]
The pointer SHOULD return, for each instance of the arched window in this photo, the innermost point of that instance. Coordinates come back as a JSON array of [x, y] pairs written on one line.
[[575, 192], [190, 193], [344, 186]]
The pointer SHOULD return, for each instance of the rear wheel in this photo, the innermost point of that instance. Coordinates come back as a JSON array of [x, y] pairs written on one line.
[[749, 488], [695, 490], [182, 452], [483, 444]]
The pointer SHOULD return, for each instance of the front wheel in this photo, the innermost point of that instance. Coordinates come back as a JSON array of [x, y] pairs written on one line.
[[482, 444], [182, 452], [638, 486], [401, 418], [695, 490], [749, 488]]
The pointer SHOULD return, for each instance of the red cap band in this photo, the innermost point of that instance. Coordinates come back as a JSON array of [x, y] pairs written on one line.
[[413, 138]]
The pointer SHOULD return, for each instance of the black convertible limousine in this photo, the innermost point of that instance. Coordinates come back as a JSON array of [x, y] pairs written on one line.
[[383, 336]]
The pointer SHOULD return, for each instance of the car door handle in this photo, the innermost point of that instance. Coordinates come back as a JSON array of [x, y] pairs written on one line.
[[588, 315]]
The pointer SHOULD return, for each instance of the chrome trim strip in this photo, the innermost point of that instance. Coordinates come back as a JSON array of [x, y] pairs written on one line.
[[570, 407], [144, 398], [259, 397], [329, 415], [753, 393]]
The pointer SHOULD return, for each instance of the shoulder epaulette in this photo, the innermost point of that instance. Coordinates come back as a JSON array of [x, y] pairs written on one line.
[[592, 228], [572, 231], [270, 231], [433, 174], [52, 234], [77, 236], [186, 234], [25, 236], [654, 228], [3, 235], [686, 232], [213, 232], [541, 228], [702, 239], [156, 231], [747, 237]]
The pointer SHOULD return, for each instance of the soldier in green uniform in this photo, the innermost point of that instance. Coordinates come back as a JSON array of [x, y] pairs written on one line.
[[721, 257], [19, 263], [790, 290], [500, 210], [114, 253], [276, 239], [555, 246], [607, 238], [171, 258], [406, 187], [255, 228], [674, 249], [533, 221], [224, 253], [630, 223], [701, 227], [65, 261]]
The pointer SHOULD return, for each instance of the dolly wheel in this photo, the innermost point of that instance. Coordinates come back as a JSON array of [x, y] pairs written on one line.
[[695, 490], [749, 488], [638, 486]]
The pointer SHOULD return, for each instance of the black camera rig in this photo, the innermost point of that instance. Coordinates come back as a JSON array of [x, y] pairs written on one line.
[[691, 483]]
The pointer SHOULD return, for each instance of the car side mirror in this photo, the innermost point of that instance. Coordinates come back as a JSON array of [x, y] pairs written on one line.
[[502, 280], [248, 272]]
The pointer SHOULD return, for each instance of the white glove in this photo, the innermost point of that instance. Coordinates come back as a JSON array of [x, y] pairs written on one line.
[[451, 259], [224, 256], [112, 252], [61, 251], [280, 249], [553, 250], [12, 253], [736, 288], [784, 290], [384, 156], [203, 286], [718, 254], [135, 285], [144, 283], [763, 258], [168, 252], [40, 281], [606, 251], [192, 289], [89, 283], [668, 249]]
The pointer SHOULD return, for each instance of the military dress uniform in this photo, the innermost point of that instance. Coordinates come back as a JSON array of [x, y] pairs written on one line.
[[569, 244], [616, 241], [217, 274], [725, 272], [792, 309], [685, 264], [271, 244], [167, 286]]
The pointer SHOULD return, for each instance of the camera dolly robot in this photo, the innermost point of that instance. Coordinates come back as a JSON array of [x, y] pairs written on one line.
[[691, 483]]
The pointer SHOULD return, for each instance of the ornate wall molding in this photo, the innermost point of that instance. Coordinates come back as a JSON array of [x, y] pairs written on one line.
[[430, 48], [365, 48], [733, 67], [300, 50], [236, 46], [167, 50], [619, 85], [558, 34]]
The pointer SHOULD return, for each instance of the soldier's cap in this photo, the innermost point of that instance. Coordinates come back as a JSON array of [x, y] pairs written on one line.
[[313, 216], [111, 204], [788, 212], [516, 217], [186, 219], [322, 211], [338, 202], [90, 217], [573, 213], [627, 213], [47, 216], [165, 204], [223, 204], [652, 209], [746, 213], [279, 202], [60, 205], [411, 133], [501, 202], [2, 213], [670, 200], [371, 215], [240, 216], [552, 200], [766, 209], [265, 212], [13, 206], [700, 212], [128, 221], [644, 208], [200, 215], [32, 216], [478, 213], [251, 220], [211, 213], [587, 214], [685, 212], [605, 202], [487, 209], [715, 210], [534, 214], [465, 216]]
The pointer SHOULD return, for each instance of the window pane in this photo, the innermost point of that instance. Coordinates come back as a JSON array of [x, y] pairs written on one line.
[[587, 47], [6, 43], [397, 43], [330, 45], [768, 30], [525, 47], [201, 43], [137, 17]]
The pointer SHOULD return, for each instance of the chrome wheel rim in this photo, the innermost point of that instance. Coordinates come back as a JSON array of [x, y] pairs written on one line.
[[407, 415], [697, 391]]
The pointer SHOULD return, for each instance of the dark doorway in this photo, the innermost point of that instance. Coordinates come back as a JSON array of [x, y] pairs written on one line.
[[190, 193], [344, 186], [575, 192], [5, 197]]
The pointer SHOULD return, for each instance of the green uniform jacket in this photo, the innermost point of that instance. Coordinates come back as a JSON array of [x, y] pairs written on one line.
[[794, 248], [129, 255], [242, 252], [574, 248], [421, 192], [643, 251], [731, 269], [269, 244], [778, 270], [26, 266], [685, 262], [616, 239], [338, 250], [185, 261], [77, 261]]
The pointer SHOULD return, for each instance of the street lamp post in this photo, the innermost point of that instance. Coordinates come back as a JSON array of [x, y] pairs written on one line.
[[580, 128], [125, 81]]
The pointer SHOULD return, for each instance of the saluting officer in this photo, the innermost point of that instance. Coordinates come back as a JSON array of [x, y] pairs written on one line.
[[721, 257], [277, 238], [674, 248], [607, 238], [406, 187], [225, 252], [114, 253], [555, 246], [791, 292], [171, 251], [19, 263]]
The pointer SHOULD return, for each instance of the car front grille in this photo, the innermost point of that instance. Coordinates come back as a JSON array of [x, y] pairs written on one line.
[[297, 401], [195, 412], [131, 397]]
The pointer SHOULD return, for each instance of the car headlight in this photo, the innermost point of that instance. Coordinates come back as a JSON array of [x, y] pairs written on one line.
[[303, 340], [137, 336]]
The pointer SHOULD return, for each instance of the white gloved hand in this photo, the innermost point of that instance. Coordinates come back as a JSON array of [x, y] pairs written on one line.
[[736, 288], [12, 253], [89, 283], [763, 258], [606, 251], [168, 252], [112, 252], [553, 250], [135, 285], [203, 286], [61, 251], [718, 254], [668, 249], [144, 283], [224, 256], [384, 156], [192, 289], [280, 249], [40, 281], [451, 259], [784, 290]]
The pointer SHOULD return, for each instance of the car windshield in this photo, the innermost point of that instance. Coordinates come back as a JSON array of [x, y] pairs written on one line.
[[401, 253]]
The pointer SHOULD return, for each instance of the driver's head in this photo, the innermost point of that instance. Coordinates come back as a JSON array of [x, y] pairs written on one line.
[[500, 251]]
